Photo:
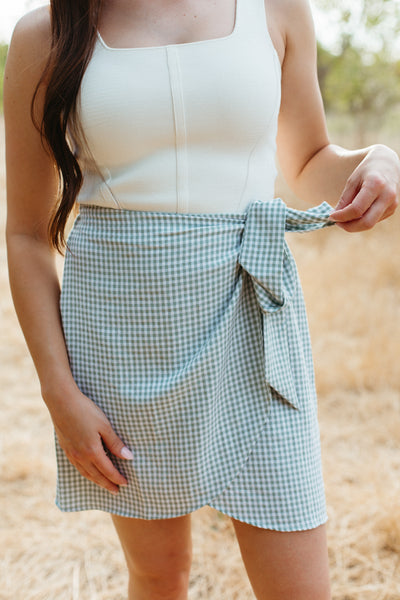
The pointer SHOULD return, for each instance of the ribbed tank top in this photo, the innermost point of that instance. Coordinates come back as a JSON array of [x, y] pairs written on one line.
[[185, 128]]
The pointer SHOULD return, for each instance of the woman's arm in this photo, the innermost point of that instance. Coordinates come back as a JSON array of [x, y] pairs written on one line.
[[31, 192], [366, 181]]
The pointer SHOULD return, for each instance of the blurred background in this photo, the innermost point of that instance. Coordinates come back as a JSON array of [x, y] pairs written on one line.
[[352, 288]]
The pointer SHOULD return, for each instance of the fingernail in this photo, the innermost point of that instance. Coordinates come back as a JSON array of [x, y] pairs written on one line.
[[126, 453], [123, 485], [114, 493]]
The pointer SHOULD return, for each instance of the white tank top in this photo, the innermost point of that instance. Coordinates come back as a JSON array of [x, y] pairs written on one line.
[[186, 128]]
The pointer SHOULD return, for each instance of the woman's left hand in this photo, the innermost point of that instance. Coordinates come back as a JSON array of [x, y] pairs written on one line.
[[372, 191]]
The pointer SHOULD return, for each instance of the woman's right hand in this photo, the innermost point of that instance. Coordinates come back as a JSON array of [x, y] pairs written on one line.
[[81, 426]]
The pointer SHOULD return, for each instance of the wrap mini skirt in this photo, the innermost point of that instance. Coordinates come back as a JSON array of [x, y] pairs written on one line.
[[190, 332]]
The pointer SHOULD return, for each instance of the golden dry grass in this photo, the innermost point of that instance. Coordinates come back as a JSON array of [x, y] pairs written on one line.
[[352, 288]]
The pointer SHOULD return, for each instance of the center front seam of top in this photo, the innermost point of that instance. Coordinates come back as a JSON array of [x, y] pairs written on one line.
[[175, 78]]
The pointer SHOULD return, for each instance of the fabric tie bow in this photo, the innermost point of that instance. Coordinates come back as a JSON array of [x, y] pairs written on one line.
[[266, 257]]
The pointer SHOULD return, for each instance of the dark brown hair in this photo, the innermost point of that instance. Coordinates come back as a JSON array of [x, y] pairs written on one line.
[[73, 35]]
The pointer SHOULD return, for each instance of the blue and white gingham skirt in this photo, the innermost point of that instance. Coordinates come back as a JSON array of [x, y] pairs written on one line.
[[189, 331]]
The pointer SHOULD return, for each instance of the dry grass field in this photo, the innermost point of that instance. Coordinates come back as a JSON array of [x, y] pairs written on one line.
[[352, 288]]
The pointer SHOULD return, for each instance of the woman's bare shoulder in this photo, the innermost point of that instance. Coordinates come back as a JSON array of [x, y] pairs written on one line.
[[288, 10], [289, 14], [290, 23], [31, 39]]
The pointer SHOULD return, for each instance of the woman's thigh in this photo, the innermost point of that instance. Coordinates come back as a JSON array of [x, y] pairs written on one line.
[[285, 565], [156, 549]]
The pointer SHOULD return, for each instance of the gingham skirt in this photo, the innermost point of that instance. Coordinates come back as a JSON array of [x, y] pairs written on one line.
[[189, 331]]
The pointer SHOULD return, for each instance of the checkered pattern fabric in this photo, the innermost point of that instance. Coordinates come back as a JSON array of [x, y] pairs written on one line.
[[189, 331]]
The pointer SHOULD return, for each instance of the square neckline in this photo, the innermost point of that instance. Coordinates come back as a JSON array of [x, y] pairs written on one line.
[[177, 45]]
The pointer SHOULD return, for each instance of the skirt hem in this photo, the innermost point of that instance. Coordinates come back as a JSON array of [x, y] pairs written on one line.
[[269, 525]]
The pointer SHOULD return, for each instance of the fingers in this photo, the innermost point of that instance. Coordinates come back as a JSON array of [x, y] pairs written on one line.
[[351, 190], [92, 473], [355, 206], [96, 477], [376, 200], [87, 437], [94, 464], [104, 465], [380, 210], [114, 444]]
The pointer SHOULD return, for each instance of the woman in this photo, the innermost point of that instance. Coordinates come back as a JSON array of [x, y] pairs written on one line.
[[167, 389]]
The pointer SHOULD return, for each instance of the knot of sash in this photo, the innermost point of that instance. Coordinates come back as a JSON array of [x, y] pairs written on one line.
[[266, 257]]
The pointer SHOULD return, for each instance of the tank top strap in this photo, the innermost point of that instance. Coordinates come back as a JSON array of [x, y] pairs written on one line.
[[251, 17]]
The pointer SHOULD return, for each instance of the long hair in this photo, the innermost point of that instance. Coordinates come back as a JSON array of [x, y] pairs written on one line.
[[73, 36]]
